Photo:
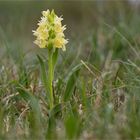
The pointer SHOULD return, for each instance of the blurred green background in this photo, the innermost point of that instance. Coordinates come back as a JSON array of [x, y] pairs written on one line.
[[83, 18], [91, 26]]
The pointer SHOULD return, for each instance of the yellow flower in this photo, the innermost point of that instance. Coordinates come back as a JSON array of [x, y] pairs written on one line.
[[40, 43], [50, 31], [46, 13], [60, 42]]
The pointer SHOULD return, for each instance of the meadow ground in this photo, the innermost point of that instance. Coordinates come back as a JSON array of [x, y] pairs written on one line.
[[96, 84]]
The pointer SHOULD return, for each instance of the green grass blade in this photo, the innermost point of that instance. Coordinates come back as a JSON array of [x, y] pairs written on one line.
[[73, 75]]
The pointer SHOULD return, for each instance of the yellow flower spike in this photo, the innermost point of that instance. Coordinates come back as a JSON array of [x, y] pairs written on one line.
[[50, 28], [50, 34]]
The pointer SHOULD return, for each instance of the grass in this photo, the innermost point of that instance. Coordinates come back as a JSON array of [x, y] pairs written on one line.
[[96, 85]]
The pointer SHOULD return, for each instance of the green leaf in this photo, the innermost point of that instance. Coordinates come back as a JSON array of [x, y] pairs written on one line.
[[57, 108], [44, 76], [51, 121], [34, 116], [29, 97], [72, 126], [73, 75]]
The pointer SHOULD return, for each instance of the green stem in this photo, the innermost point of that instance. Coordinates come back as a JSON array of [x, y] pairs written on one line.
[[50, 78]]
